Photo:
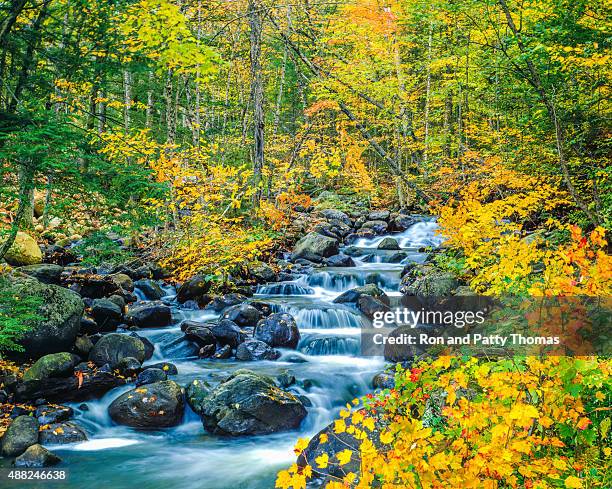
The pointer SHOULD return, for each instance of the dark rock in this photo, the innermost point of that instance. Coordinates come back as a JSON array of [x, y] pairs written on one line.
[[316, 246], [91, 285], [169, 368], [193, 289], [220, 303], [83, 345], [285, 379], [58, 255], [111, 348], [200, 334], [223, 353], [227, 332], [261, 272], [149, 315], [388, 244], [51, 414], [107, 314], [21, 434], [206, 351], [377, 227], [383, 380], [402, 222], [148, 346], [334, 215], [243, 315], [52, 365], [398, 257], [196, 392], [60, 317], [255, 350], [278, 330], [68, 389], [151, 290], [88, 326], [250, 404], [340, 261], [128, 366], [353, 251], [353, 295], [369, 306], [150, 376], [157, 405], [123, 281], [46, 273], [119, 301], [62, 433], [37, 456]]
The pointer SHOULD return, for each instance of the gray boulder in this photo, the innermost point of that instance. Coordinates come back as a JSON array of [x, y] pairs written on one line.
[[107, 314], [250, 404], [334, 215], [157, 405], [340, 260], [37, 456], [388, 244], [21, 434], [261, 272], [379, 216], [278, 330], [149, 315], [47, 273], [113, 347], [428, 281], [62, 433], [315, 246], [255, 350], [150, 289], [352, 296], [244, 315]]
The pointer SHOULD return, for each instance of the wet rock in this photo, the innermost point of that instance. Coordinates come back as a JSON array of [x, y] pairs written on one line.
[[88, 284], [52, 365], [377, 227], [150, 376], [157, 405], [353, 251], [243, 315], [112, 347], [195, 393], [315, 246], [383, 380], [193, 289], [398, 257], [340, 260], [335, 215], [128, 366], [428, 281], [278, 330], [59, 317], [198, 333], [83, 345], [402, 222], [227, 332], [87, 325], [148, 346], [123, 281], [250, 404], [46, 273], [369, 306], [379, 216], [53, 414], [285, 379], [206, 351], [388, 244], [261, 272], [255, 350], [149, 315], [169, 368], [62, 433], [151, 290], [23, 251], [107, 314], [220, 303], [353, 295], [37, 456], [223, 353], [21, 434]]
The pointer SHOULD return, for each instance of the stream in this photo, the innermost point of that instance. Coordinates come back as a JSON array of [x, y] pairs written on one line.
[[327, 365]]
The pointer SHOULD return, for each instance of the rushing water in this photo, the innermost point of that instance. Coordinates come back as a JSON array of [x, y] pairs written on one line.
[[327, 366]]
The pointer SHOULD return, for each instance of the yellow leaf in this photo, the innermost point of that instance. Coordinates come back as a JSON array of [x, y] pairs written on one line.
[[322, 461], [344, 457], [573, 482]]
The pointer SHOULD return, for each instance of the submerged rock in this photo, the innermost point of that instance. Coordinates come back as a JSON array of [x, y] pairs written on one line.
[[250, 404], [157, 405]]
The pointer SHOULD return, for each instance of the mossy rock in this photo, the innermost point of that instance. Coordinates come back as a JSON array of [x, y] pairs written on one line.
[[24, 251], [52, 365]]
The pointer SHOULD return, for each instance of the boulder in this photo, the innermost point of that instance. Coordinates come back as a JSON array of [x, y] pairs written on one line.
[[352, 296], [47, 414], [402, 222], [59, 317], [398, 257], [37, 456], [278, 330], [379, 216], [353, 251], [107, 314], [47, 273], [157, 405], [23, 251], [91, 285], [340, 260], [150, 289], [368, 305], [149, 315], [21, 434], [123, 281], [388, 244], [255, 350], [222, 302], [128, 366], [428, 281], [199, 333], [335, 215], [193, 289], [377, 227], [227, 332], [250, 404], [150, 376], [111, 348], [261, 272], [315, 245], [244, 315], [52, 365], [62, 433], [169, 368], [148, 346], [383, 380]]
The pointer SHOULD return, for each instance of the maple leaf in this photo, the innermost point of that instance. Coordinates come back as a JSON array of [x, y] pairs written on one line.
[[344, 456]]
